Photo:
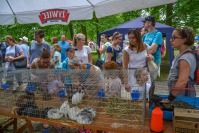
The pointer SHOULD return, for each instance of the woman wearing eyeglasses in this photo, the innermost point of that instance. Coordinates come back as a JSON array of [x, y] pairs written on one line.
[[181, 75]]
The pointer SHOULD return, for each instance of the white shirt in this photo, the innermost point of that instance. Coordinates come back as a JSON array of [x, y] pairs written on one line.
[[83, 54]]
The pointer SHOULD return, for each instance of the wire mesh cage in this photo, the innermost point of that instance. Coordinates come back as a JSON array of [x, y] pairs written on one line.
[[93, 98]]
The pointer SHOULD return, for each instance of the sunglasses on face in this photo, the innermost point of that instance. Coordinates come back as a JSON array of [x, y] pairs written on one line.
[[45, 62]]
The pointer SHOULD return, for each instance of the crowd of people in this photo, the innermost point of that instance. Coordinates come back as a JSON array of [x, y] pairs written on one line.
[[144, 45]]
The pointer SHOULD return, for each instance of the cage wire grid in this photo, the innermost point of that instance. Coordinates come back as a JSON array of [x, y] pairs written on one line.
[[83, 97]]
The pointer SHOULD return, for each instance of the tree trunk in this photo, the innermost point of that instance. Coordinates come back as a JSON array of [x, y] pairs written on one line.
[[71, 30], [169, 11], [84, 31]]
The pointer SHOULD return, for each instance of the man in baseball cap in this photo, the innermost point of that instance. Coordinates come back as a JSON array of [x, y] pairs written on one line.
[[153, 39], [70, 49], [25, 39], [24, 45], [75, 61], [149, 18]]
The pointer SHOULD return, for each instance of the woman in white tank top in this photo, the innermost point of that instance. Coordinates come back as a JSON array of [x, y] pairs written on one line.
[[134, 56]]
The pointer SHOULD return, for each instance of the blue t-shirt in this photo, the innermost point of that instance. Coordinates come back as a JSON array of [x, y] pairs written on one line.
[[36, 49], [154, 37], [116, 55], [25, 49], [66, 70], [64, 46]]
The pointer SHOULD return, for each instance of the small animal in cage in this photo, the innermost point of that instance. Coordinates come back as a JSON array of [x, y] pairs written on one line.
[[26, 99], [114, 83], [77, 97], [55, 114], [86, 116], [73, 113], [65, 108], [26, 105], [141, 76]]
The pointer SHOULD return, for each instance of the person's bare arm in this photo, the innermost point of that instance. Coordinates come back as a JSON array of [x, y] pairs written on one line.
[[21, 56], [57, 59], [52, 66], [33, 66], [108, 57], [183, 78], [103, 49], [125, 67], [153, 48]]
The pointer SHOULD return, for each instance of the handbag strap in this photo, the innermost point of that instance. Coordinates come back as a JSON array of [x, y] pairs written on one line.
[[15, 51]]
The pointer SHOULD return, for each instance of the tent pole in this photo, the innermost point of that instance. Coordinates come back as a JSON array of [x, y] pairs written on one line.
[[11, 8]]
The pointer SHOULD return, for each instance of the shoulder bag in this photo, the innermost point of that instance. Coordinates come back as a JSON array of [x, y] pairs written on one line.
[[21, 63]]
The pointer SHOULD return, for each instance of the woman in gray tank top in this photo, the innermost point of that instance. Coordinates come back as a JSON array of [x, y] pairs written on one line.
[[183, 66]]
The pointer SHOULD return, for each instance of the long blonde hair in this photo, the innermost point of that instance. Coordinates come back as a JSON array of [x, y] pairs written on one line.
[[76, 37], [57, 47], [11, 38]]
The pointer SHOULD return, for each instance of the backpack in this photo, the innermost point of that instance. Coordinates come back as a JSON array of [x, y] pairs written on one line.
[[162, 47], [196, 76]]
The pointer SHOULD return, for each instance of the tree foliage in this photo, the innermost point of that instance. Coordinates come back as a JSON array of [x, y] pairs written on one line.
[[182, 13]]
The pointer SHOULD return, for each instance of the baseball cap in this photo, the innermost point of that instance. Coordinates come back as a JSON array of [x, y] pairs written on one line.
[[24, 39], [71, 49], [149, 18], [75, 61]]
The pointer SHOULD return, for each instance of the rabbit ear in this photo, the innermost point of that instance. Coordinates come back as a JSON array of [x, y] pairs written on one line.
[[82, 91]]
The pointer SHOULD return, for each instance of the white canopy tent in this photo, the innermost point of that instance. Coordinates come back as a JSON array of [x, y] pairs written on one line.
[[34, 11]]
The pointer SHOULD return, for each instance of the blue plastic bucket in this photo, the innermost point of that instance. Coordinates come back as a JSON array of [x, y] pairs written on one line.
[[135, 95], [5, 86], [101, 93], [61, 93]]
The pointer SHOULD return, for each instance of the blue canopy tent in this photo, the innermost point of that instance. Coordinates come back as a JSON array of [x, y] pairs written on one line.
[[197, 38], [137, 23]]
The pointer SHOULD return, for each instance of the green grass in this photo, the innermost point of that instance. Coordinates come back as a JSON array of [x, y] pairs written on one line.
[[94, 56]]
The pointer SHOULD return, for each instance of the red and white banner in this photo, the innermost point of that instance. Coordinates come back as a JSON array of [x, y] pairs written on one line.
[[54, 16]]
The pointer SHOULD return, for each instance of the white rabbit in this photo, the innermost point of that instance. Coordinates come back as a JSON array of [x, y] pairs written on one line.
[[64, 109], [54, 114], [77, 97], [73, 113]]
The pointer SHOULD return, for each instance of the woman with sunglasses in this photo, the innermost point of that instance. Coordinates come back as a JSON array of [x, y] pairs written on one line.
[[181, 75], [43, 62], [134, 56]]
